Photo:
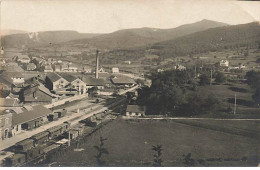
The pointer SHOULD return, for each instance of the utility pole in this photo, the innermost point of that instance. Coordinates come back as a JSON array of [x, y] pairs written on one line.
[[97, 63], [235, 104], [210, 75], [69, 138], [195, 72]]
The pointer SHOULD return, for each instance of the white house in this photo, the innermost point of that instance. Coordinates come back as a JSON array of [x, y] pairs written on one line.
[[115, 70], [224, 63]]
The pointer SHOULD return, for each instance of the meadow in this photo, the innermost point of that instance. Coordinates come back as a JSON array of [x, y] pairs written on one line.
[[129, 143]]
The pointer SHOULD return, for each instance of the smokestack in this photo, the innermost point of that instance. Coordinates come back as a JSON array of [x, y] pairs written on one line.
[[97, 63]]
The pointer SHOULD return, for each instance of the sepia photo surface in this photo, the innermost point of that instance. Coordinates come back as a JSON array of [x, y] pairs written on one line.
[[132, 83]]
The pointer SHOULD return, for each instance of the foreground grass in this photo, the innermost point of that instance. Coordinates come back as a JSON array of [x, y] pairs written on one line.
[[129, 144]]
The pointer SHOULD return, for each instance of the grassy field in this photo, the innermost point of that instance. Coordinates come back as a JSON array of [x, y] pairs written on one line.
[[226, 94], [129, 144]]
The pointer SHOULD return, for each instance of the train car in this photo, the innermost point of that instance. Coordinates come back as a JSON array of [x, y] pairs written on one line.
[[40, 138], [54, 131], [24, 145], [65, 126], [33, 153], [18, 159]]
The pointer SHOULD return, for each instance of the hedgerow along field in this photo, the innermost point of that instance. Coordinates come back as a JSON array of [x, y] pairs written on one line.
[[130, 144]]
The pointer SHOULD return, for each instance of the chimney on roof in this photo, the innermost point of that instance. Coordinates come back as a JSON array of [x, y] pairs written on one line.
[[97, 63]]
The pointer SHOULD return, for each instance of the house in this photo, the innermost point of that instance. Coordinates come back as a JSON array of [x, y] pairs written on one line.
[[115, 70], [28, 117], [11, 78], [48, 68], [75, 83], [5, 124], [160, 70], [93, 82], [8, 103], [135, 110], [123, 81], [55, 81], [67, 67], [12, 67], [127, 62], [30, 67], [179, 67], [37, 94], [224, 63], [21, 58]]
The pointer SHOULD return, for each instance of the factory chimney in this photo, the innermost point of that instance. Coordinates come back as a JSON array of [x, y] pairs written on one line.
[[97, 63]]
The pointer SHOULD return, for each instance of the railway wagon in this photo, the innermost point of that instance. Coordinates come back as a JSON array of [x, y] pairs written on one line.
[[54, 131], [54, 116], [24, 145], [40, 138], [65, 126], [33, 153], [17, 159]]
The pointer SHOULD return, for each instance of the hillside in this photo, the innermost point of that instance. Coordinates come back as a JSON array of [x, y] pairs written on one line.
[[42, 38], [210, 40], [129, 38], [11, 31]]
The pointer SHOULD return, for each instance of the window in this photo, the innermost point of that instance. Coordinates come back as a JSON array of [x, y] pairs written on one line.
[[16, 127], [19, 160]]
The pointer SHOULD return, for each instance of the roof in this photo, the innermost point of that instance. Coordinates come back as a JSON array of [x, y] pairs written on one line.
[[135, 108], [53, 129], [31, 66], [90, 81], [53, 76], [40, 135], [123, 80], [24, 142], [13, 68], [6, 77], [4, 102], [68, 77], [26, 116]]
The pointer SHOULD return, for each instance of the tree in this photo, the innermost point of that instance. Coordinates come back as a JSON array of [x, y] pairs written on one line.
[[101, 150], [188, 161], [157, 161], [220, 77], [258, 60], [204, 80], [211, 103], [256, 96], [253, 79]]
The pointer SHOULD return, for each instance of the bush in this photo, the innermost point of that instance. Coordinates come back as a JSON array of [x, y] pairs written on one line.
[[220, 77], [204, 80]]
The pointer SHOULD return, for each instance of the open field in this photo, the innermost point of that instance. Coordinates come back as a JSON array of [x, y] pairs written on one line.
[[129, 144], [226, 94]]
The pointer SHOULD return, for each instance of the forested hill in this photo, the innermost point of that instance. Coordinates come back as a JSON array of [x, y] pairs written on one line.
[[129, 38], [213, 39], [42, 38]]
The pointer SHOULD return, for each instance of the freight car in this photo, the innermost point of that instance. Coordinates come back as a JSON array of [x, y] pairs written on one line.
[[24, 145], [18, 159], [40, 138]]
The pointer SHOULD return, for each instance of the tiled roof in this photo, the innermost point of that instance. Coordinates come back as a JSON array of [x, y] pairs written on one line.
[[90, 81], [53, 76], [8, 102], [25, 116], [123, 80], [68, 77]]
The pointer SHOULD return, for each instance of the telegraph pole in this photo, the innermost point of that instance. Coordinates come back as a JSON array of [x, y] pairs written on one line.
[[195, 76], [210, 75], [235, 104]]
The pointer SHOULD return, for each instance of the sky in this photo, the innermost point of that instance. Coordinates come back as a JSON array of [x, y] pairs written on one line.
[[104, 16]]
